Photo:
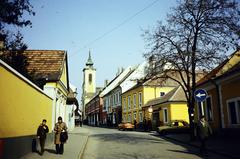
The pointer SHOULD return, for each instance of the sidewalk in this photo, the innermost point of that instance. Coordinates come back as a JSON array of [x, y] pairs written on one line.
[[73, 149], [223, 145]]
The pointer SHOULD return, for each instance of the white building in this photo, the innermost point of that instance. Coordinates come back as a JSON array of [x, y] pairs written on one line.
[[72, 106], [112, 98], [139, 73]]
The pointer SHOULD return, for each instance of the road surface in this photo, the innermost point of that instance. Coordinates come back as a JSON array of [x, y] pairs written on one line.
[[113, 144]]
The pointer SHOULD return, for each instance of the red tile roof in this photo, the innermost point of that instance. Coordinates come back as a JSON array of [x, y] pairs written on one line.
[[46, 64], [218, 71]]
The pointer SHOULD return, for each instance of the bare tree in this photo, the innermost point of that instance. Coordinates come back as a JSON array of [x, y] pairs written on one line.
[[196, 36], [12, 45]]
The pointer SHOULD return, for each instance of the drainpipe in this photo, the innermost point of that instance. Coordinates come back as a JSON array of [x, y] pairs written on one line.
[[219, 103]]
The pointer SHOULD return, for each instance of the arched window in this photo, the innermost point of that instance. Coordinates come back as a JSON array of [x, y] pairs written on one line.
[[90, 78]]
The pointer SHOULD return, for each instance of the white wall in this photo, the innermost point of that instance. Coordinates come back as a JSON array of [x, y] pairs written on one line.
[[70, 116]]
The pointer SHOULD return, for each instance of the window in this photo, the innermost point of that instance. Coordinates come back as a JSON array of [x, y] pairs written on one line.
[[165, 115], [114, 99], [117, 97], [104, 104], [140, 117], [162, 94], [135, 116], [129, 118], [124, 118], [129, 102], [109, 101], [234, 111], [134, 100], [209, 109], [90, 78], [140, 99], [124, 104]]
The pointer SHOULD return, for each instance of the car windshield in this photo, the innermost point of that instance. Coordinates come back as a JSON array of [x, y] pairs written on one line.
[[175, 123], [178, 123]]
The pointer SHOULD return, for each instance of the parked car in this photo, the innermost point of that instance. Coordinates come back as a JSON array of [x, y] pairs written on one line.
[[125, 126], [174, 126]]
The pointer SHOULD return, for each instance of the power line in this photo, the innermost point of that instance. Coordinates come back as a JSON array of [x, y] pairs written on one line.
[[116, 27]]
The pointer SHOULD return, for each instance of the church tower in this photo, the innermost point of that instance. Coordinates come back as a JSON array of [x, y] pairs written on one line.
[[89, 83]]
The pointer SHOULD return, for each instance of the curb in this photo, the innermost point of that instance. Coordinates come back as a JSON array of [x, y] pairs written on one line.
[[196, 146], [80, 155]]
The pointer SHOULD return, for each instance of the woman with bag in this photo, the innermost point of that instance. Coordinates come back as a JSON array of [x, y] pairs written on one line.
[[60, 130]]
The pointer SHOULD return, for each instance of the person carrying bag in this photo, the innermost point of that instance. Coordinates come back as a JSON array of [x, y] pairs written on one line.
[[64, 136], [60, 135]]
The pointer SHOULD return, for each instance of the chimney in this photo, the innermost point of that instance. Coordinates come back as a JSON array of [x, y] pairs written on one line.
[[105, 83], [122, 69], [118, 72]]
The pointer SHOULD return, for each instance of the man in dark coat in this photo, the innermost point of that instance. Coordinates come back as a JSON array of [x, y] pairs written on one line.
[[204, 131], [135, 124], [42, 134], [145, 124]]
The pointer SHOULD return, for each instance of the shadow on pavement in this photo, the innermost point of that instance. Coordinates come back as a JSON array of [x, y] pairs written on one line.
[[135, 155], [125, 138], [192, 147], [189, 148], [51, 151], [187, 152]]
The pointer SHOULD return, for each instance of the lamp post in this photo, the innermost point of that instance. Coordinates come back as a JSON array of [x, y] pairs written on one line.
[[150, 110]]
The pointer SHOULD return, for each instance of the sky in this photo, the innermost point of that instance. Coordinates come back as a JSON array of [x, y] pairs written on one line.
[[110, 29]]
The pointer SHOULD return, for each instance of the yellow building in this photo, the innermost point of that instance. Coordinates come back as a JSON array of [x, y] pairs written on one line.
[[23, 106], [172, 106], [25, 103], [135, 98], [222, 106]]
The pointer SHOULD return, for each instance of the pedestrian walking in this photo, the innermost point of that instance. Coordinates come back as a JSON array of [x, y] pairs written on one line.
[[42, 134], [60, 130], [145, 124], [204, 130], [135, 124], [149, 125], [80, 123]]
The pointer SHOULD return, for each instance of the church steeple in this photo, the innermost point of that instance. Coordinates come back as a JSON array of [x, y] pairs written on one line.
[[89, 61], [89, 83]]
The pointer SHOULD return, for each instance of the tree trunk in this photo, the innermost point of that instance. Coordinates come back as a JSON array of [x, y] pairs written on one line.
[[192, 103]]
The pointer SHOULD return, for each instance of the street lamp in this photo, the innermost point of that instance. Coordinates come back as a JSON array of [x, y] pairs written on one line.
[[150, 109]]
